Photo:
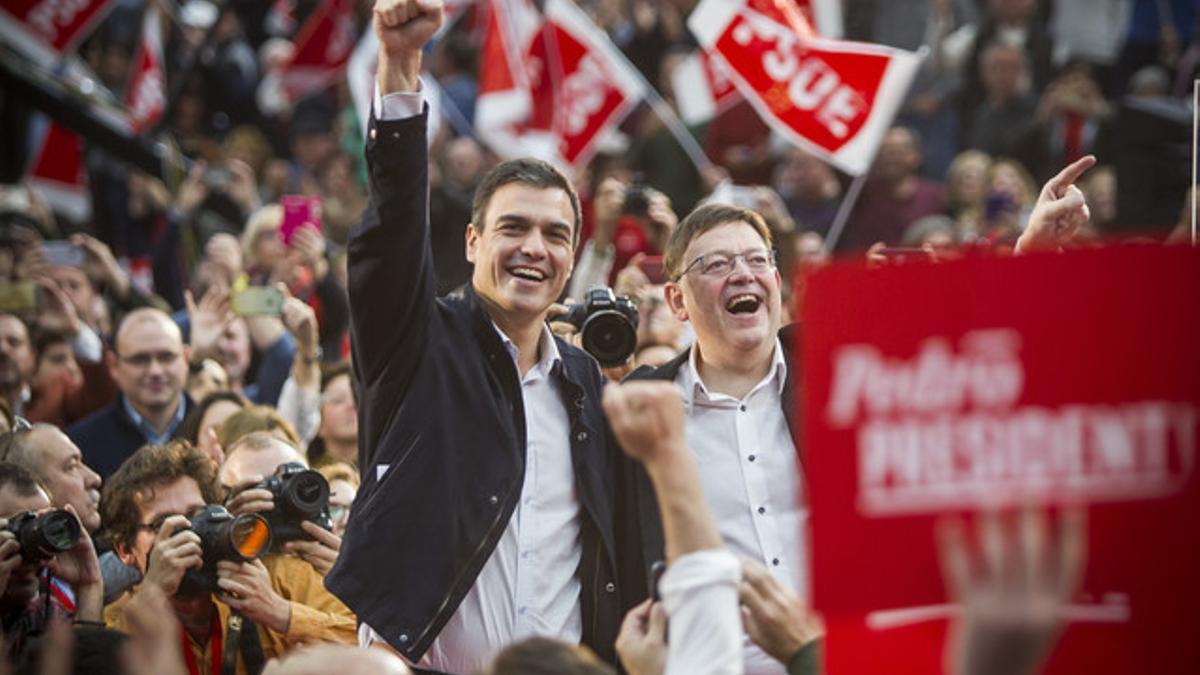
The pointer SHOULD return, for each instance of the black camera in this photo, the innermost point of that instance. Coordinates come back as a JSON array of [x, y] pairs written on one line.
[[608, 324], [223, 536], [300, 494], [637, 201], [46, 535]]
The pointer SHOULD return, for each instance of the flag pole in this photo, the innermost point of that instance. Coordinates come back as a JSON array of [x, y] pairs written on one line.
[[676, 126], [1195, 149], [843, 212]]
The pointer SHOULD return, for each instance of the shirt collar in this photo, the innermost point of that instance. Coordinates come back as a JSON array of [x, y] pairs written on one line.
[[147, 431], [693, 385], [548, 352]]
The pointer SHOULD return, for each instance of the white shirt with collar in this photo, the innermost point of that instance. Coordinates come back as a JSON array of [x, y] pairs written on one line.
[[751, 478]]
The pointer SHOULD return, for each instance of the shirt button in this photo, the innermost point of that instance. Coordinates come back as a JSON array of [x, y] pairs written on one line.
[[404, 637], [742, 408], [372, 134], [775, 562], [610, 587], [751, 458], [581, 436], [762, 509], [494, 500]]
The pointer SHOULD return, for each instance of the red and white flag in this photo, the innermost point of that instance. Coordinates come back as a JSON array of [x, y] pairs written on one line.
[[551, 84], [703, 88], [57, 173], [323, 46], [832, 97], [147, 95], [47, 30]]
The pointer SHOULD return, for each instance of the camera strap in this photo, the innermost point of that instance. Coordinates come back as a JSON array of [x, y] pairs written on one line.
[[241, 635]]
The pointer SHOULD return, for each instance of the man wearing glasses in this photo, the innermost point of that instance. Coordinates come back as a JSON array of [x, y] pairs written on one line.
[[150, 368], [736, 385]]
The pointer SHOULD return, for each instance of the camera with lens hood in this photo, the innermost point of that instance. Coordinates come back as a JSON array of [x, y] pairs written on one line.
[[223, 536], [300, 494], [608, 325], [43, 536]]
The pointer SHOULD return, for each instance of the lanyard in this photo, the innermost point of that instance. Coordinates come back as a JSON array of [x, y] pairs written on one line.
[[66, 601], [214, 642]]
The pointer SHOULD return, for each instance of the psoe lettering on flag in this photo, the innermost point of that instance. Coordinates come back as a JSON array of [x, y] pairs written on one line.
[[147, 97], [47, 30], [832, 97]]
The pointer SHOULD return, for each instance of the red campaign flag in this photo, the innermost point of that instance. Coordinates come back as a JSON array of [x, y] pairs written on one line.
[[323, 46], [575, 82], [990, 383], [702, 88], [58, 174], [47, 30], [147, 95], [832, 97]]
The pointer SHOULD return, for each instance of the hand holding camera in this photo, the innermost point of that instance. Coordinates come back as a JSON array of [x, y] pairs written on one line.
[[222, 537], [176, 550], [246, 588]]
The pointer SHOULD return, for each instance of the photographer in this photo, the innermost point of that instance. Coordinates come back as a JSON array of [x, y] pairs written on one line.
[[308, 612], [146, 506], [34, 591]]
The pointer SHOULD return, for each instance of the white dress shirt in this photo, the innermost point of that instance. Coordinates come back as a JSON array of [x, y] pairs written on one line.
[[752, 479]]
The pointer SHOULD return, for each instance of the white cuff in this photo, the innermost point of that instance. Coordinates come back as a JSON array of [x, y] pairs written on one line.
[[399, 105]]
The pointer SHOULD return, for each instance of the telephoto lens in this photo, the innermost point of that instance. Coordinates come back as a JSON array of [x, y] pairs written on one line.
[[43, 536], [300, 494], [224, 536]]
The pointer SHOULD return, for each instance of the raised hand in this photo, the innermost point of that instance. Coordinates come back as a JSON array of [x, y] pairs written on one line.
[[774, 617], [1060, 210], [647, 418], [208, 319], [403, 28]]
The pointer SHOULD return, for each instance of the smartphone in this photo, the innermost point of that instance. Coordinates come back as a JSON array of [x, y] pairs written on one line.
[[19, 298], [257, 300], [652, 267], [656, 572], [63, 254], [298, 211]]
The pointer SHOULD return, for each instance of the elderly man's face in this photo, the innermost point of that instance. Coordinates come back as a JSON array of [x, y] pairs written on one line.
[[16, 354], [69, 480]]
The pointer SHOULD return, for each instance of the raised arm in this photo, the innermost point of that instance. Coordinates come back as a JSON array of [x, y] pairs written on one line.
[[391, 285]]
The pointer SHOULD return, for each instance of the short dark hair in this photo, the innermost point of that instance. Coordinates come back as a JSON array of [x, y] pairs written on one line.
[[527, 171], [44, 338], [152, 466], [702, 220], [189, 428], [544, 656]]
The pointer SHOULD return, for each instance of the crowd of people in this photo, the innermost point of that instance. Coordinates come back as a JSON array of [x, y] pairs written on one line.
[[178, 368]]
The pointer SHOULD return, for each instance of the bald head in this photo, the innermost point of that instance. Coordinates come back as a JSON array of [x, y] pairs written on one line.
[[150, 364], [257, 455]]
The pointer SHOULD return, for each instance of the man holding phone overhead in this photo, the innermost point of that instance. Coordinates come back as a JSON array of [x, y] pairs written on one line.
[[484, 514]]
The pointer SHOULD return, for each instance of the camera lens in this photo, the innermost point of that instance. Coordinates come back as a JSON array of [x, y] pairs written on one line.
[[250, 536], [610, 338], [306, 493], [60, 530]]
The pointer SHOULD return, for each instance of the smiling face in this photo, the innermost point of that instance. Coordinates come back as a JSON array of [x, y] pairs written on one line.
[[525, 252], [731, 314]]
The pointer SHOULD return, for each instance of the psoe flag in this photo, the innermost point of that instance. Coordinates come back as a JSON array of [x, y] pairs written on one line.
[[702, 88], [831, 97], [147, 97], [47, 30]]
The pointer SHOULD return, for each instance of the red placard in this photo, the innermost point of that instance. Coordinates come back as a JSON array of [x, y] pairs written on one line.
[[993, 382]]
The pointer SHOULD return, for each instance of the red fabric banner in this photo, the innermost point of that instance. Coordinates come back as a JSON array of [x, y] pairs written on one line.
[[934, 389], [47, 30]]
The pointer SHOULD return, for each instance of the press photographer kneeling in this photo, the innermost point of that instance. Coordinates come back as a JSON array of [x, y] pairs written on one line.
[[48, 566]]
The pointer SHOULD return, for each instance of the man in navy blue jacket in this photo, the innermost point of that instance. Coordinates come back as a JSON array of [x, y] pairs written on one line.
[[149, 366], [485, 511]]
